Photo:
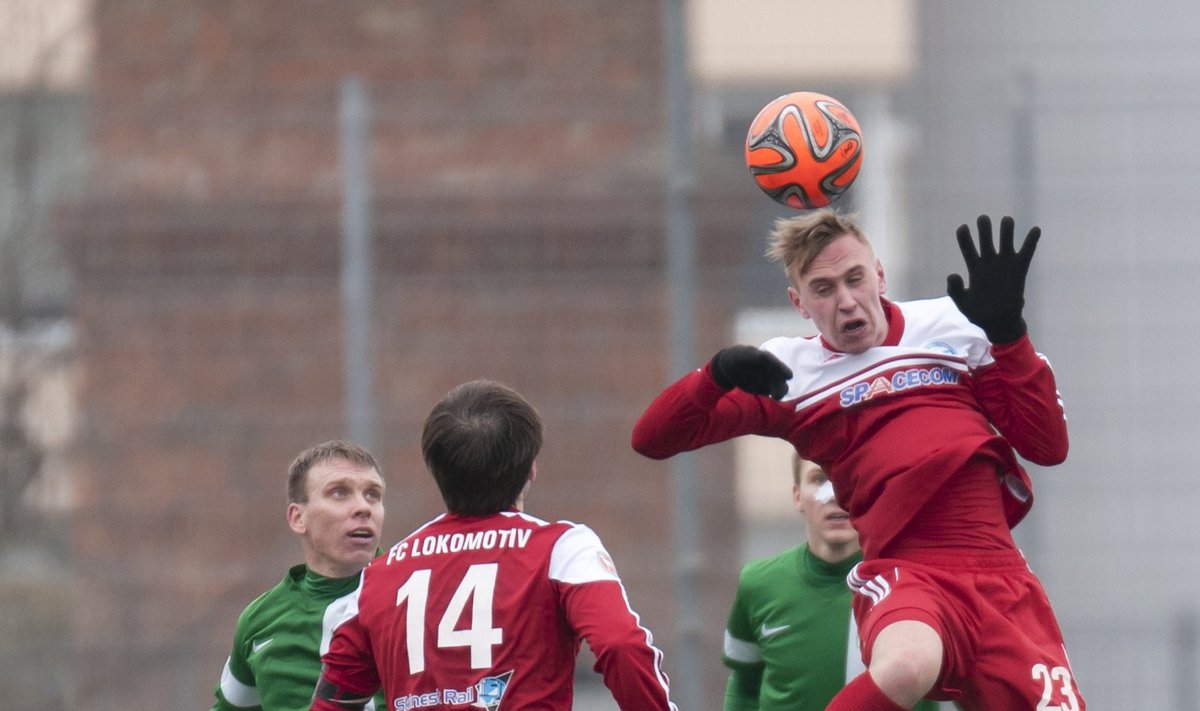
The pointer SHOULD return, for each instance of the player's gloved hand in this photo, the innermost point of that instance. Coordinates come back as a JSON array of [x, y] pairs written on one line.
[[996, 294], [751, 369]]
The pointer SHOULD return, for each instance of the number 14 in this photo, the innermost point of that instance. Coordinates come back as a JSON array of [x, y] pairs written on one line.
[[478, 585]]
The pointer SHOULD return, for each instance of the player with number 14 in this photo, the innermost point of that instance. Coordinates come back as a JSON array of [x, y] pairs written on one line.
[[484, 606]]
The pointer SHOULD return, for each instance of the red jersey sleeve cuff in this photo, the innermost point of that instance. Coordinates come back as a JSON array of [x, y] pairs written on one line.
[[706, 391], [1017, 356]]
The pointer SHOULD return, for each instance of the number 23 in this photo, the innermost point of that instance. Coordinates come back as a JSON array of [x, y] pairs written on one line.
[[1062, 675]]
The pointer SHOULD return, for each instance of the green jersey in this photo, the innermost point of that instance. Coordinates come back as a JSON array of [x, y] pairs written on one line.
[[280, 637], [790, 641]]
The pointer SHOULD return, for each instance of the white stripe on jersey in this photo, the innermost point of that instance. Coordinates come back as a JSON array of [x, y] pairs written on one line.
[[236, 692], [876, 588], [935, 332], [739, 650], [579, 557], [853, 579], [898, 362], [854, 662], [338, 612]]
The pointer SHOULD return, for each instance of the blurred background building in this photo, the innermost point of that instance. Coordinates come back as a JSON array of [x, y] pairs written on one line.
[[173, 291]]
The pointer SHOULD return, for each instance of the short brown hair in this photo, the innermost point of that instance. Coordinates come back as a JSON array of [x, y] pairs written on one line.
[[479, 444], [297, 486], [796, 241]]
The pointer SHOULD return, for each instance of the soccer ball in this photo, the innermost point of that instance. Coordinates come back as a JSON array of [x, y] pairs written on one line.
[[804, 149]]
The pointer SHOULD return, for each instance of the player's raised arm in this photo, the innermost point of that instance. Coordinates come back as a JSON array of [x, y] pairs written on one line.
[[1018, 392], [995, 295], [728, 397], [754, 370]]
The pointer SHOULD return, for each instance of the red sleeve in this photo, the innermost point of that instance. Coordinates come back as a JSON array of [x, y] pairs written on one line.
[[693, 412], [625, 653], [1020, 397], [347, 666]]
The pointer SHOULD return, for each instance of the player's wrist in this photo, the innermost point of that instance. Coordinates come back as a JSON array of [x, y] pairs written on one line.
[[719, 376], [1007, 332]]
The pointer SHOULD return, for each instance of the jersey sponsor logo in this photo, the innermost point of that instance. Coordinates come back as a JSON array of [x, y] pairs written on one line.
[[490, 690], [256, 647], [445, 543], [941, 347], [417, 701], [772, 631], [606, 562], [486, 693], [901, 380]]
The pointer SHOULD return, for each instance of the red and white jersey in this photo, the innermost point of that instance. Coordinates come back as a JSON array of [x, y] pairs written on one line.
[[470, 612], [936, 404]]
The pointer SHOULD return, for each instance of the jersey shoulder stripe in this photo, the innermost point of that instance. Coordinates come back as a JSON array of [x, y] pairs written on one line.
[[578, 557]]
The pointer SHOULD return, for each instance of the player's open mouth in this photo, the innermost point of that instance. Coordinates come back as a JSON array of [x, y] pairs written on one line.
[[853, 328], [364, 533], [839, 516]]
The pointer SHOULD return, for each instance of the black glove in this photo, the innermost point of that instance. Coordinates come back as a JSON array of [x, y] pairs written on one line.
[[751, 369], [997, 292]]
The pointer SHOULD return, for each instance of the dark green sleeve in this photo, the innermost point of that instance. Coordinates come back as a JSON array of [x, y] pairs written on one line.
[[741, 646], [742, 656], [235, 690], [741, 691]]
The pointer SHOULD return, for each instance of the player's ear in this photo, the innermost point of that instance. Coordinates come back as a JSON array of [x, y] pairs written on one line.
[[797, 500], [882, 278], [794, 297], [519, 504], [295, 518]]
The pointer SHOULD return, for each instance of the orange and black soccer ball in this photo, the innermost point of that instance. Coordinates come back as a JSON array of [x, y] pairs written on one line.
[[804, 149]]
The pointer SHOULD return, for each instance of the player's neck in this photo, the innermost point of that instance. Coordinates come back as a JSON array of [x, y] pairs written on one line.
[[832, 552]]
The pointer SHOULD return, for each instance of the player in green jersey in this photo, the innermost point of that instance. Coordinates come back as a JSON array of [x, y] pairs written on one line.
[[335, 506], [790, 642]]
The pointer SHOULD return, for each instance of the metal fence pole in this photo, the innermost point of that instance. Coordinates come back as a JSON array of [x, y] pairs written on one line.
[[1185, 658], [357, 269], [685, 671]]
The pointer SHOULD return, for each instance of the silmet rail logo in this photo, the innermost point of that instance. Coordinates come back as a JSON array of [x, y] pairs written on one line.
[[490, 690]]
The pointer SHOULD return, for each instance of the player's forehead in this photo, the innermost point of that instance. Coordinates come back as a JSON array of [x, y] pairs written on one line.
[[338, 471], [843, 255]]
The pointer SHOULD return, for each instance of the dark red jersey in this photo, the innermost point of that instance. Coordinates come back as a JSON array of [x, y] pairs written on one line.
[[488, 613], [936, 410]]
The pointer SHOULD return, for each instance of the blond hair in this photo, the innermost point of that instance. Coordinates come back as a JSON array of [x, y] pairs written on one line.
[[796, 241]]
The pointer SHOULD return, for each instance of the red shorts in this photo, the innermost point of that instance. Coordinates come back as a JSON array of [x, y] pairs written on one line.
[[1003, 647]]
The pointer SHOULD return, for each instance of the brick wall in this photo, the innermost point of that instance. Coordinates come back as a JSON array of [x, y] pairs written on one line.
[[517, 153]]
